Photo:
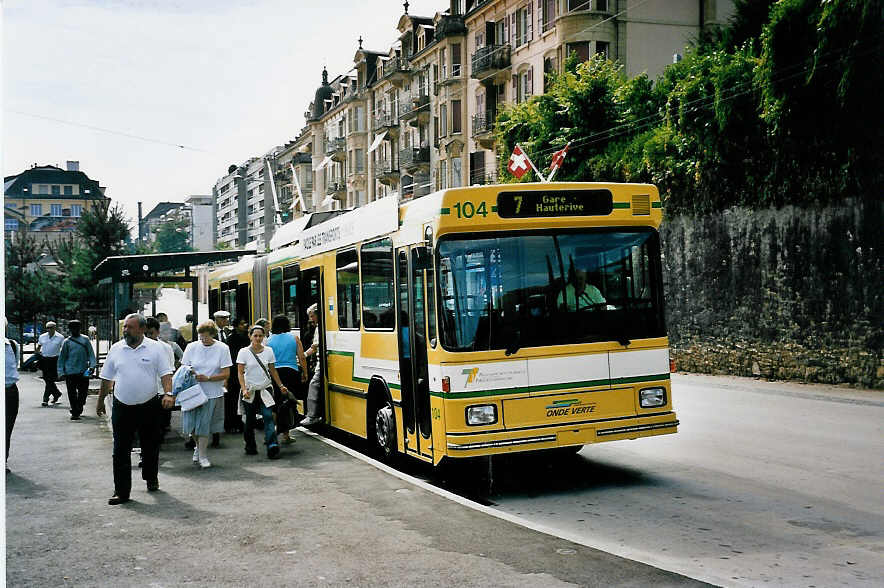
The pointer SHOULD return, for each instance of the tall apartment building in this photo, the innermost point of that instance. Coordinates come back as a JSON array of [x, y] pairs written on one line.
[[419, 116], [245, 202], [47, 201]]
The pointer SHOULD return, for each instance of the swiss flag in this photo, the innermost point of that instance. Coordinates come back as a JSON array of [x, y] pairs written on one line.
[[519, 163], [558, 157]]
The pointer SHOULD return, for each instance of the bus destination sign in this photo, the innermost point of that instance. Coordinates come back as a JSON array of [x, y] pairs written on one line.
[[543, 203]]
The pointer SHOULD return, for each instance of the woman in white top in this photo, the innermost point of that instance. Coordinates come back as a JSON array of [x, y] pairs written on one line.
[[210, 361], [255, 368]]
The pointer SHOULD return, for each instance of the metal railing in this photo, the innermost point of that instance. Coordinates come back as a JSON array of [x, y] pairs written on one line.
[[413, 157], [385, 120], [483, 176], [335, 187], [483, 122], [394, 66], [335, 145], [490, 58], [385, 167]]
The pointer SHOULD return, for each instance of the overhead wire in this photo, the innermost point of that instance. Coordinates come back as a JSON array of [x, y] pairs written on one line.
[[106, 130]]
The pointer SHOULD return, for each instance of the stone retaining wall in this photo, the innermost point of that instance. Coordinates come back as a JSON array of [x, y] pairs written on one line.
[[790, 293]]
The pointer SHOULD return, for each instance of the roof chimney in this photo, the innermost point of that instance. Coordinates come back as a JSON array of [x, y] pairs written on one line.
[[73, 165]]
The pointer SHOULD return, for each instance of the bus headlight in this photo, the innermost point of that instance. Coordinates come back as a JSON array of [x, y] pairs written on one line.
[[483, 414], [651, 397]]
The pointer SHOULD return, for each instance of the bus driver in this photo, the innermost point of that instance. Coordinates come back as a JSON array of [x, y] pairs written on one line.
[[579, 295]]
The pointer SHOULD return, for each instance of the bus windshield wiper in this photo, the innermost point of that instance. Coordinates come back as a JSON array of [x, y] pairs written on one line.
[[514, 345]]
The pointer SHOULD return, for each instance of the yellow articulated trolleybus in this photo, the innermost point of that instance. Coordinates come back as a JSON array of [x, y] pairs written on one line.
[[482, 320]]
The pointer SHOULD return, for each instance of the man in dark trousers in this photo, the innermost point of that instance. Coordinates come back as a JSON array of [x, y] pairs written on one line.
[[131, 369], [75, 363], [49, 345]]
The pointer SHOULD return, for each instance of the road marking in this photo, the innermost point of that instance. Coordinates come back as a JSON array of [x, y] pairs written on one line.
[[601, 545]]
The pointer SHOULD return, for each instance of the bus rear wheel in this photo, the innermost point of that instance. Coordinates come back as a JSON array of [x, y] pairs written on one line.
[[385, 431]]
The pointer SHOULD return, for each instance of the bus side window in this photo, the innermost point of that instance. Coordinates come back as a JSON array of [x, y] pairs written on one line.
[[378, 296], [348, 289]]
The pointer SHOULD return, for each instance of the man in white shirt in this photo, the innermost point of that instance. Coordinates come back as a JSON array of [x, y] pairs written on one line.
[[153, 332], [131, 369], [49, 346]]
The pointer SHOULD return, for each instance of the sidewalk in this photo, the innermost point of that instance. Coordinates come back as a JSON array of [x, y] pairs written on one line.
[[315, 517]]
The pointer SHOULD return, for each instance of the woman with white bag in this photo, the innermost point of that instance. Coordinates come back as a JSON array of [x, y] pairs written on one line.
[[257, 372], [210, 361]]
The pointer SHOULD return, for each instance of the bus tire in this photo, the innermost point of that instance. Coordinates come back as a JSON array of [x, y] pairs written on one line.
[[381, 419], [385, 430]]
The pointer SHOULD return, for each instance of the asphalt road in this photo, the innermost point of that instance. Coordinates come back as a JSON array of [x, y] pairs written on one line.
[[316, 517], [764, 484]]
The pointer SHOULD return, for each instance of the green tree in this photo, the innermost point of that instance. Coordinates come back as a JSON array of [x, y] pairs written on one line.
[[172, 236], [102, 232], [30, 291]]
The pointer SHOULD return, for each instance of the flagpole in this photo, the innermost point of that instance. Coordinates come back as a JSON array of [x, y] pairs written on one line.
[[536, 171]]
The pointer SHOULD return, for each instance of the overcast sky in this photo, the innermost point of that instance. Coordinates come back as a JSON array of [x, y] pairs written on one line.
[[226, 79]]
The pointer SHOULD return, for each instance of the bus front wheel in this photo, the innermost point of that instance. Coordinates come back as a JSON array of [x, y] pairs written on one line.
[[385, 431]]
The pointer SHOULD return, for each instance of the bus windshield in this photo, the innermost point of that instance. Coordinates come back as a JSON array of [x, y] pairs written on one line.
[[531, 289]]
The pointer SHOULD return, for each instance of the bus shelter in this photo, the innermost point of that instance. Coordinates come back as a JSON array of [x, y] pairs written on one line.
[[119, 275]]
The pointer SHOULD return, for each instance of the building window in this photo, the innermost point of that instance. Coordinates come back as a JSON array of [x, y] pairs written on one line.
[[10, 224], [549, 67], [581, 49], [578, 5], [68, 190], [549, 14], [455, 116], [443, 174], [456, 171], [56, 190], [455, 60], [523, 27], [348, 289], [43, 189], [443, 120], [76, 210], [36, 209], [602, 48], [55, 209]]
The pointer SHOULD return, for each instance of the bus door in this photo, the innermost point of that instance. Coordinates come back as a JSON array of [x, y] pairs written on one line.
[[243, 304], [310, 292], [412, 330]]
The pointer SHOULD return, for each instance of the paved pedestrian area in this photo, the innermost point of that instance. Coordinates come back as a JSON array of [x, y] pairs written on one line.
[[316, 517]]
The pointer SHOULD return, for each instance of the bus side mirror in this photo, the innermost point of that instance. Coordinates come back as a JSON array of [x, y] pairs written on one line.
[[423, 257]]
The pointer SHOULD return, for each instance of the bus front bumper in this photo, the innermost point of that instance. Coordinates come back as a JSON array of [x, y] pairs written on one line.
[[565, 435]]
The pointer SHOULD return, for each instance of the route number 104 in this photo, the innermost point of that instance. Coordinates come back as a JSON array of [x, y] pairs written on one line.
[[469, 210]]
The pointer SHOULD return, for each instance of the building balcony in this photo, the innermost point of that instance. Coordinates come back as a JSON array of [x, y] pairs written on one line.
[[490, 64], [385, 121], [414, 158], [451, 76], [386, 172], [336, 148], [483, 128], [483, 176], [396, 70], [415, 109], [337, 190]]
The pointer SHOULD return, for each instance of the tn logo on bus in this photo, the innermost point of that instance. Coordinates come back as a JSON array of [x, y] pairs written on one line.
[[568, 407], [471, 374]]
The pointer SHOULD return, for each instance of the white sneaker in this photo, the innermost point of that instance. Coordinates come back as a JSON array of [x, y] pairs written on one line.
[[196, 455], [310, 420], [205, 463]]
